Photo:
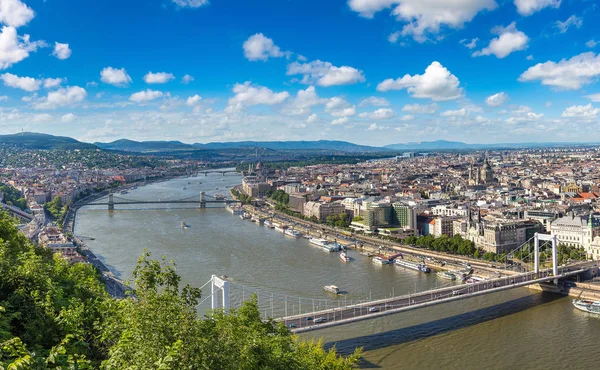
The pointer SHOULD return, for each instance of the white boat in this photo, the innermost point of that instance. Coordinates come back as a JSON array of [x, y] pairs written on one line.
[[332, 289], [446, 275], [344, 257], [269, 224], [412, 265], [325, 244], [587, 305], [184, 225], [234, 210], [292, 233], [280, 228], [381, 261]]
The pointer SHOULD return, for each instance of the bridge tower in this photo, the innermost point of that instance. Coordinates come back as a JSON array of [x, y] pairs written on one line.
[[536, 254], [111, 202], [202, 200], [216, 284]]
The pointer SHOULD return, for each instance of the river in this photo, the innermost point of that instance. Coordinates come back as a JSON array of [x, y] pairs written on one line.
[[509, 330]]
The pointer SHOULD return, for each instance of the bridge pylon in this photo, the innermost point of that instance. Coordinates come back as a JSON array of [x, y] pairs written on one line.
[[111, 202], [546, 237], [216, 284], [202, 200]]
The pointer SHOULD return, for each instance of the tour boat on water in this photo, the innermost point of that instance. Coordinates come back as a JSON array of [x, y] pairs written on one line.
[[325, 244], [184, 225], [446, 275], [292, 233], [281, 228], [344, 257], [332, 289], [412, 265], [269, 224], [381, 261], [587, 305]]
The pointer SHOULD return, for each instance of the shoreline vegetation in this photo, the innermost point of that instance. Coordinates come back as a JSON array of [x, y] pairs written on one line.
[[57, 315]]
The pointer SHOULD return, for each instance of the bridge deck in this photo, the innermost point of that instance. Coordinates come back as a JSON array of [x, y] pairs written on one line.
[[364, 311], [164, 202]]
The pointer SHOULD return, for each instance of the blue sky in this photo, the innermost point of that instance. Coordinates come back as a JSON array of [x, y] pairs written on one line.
[[368, 71]]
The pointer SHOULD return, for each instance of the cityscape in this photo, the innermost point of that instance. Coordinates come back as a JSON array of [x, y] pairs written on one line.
[[392, 184]]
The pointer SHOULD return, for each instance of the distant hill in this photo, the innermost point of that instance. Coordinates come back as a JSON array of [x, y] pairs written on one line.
[[332, 145], [145, 146], [457, 145], [32, 140]]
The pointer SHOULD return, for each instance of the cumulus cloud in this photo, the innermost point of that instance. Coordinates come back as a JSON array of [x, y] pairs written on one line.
[[423, 18], [61, 51], [247, 95], [509, 40], [14, 13], [312, 118], [50, 83], [15, 48], [303, 102], [376, 127], [420, 109], [339, 121], [69, 117], [374, 101], [187, 79], [469, 44], [193, 100], [61, 97], [190, 3], [260, 47], [496, 100], [158, 78], [23, 83], [569, 74], [591, 44], [145, 96], [571, 21], [407, 117], [325, 74], [115, 76], [339, 107], [462, 112], [381, 113], [528, 7], [394, 37], [437, 83], [594, 97], [581, 111]]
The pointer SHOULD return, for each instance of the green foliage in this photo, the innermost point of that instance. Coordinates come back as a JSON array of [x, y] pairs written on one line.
[[245, 199], [54, 315], [342, 220], [281, 197], [55, 208], [13, 197], [453, 245]]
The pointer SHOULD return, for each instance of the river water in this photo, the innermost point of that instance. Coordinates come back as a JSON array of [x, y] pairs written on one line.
[[511, 330]]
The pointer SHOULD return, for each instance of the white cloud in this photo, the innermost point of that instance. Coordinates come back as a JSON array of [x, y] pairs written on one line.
[[115, 76], [425, 17], [529, 57], [381, 113], [14, 13], [41, 118], [187, 79], [407, 117], [50, 83], [247, 94], [571, 21], [61, 51], [394, 37], [145, 96], [374, 101], [469, 44], [594, 97], [339, 121], [375, 127], [158, 78], [509, 40], [193, 100], [583, 111], [325, 73], [569, 74], [61, 97], [312, 118], [23, 83], [591, 44], [15, 48], [496, 100], [420, 109], [69, 117], [437, 83], [339, 107], [462, 112], [303, 102], [260, 47], [190, 3], [528, 7]]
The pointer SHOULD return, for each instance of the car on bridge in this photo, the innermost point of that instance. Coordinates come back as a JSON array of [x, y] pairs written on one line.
[[308, 318], [374, 309], [319, 320], [291, 326]]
